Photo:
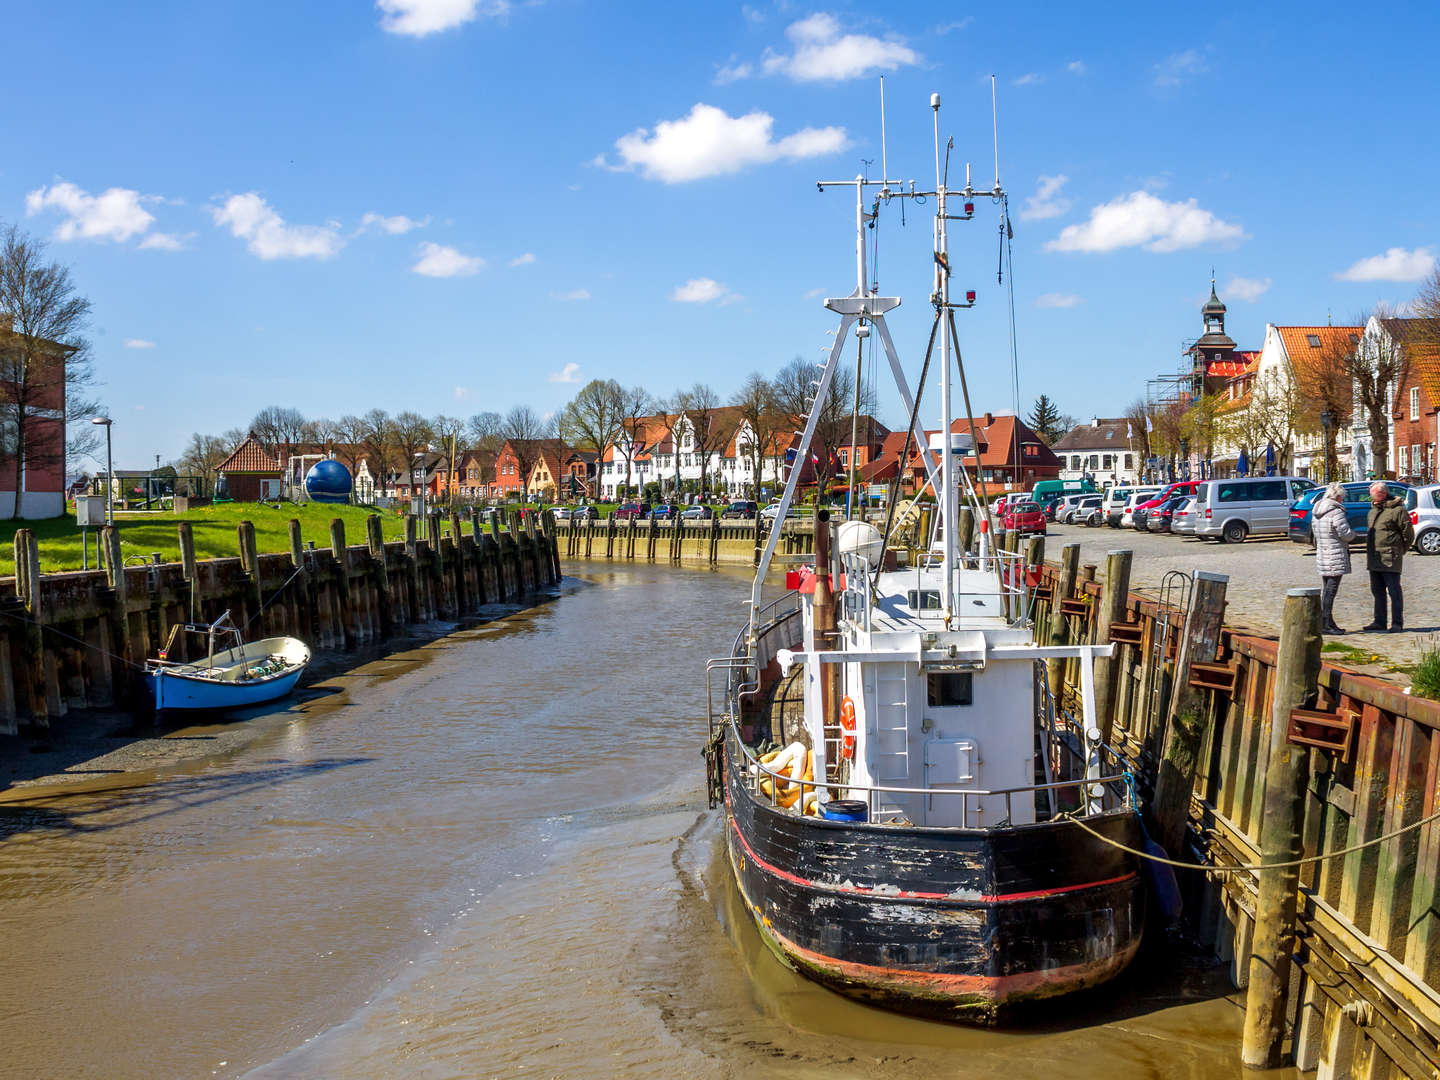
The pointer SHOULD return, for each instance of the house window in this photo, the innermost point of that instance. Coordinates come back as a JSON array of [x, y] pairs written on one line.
[[1108, 462], [845, 458], [1094, 461], [1074, 461], [1414, 403]]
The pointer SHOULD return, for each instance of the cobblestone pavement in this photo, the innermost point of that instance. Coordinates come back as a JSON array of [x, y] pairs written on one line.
[[1260, 572]]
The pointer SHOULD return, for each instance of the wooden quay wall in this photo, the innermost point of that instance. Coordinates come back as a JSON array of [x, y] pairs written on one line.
[[1193, 706], [700, 543], [79, 639]]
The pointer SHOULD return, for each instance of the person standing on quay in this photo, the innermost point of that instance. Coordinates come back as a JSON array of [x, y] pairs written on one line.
[[1332, 532], [1390, 536]]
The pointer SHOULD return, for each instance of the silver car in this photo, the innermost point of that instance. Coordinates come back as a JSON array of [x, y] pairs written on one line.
[[1231, 510], [1424, 506], [1182, 521]]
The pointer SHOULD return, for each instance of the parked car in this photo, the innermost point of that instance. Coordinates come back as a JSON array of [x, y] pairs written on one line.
[[629, 510], [771, 512], [1063, 508], [1023, 517], [1179, 487], [1357, 509], [584, 513], [1137, 496], [1424, 506], [665, 511], [1231, 510], [693, 513], [1116, 498], [1071, 509], [1160, 518], [560, 513], [741, 508], [1182, 521]]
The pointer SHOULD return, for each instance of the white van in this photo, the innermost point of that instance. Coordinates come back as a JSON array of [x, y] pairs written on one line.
[[1231, 510]]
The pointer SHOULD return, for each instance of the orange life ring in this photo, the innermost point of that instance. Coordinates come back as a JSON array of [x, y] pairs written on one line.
[[847, 723]]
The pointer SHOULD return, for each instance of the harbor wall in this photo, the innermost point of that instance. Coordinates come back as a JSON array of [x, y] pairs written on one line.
[[79, 639], [1364, 997], [695, 543]]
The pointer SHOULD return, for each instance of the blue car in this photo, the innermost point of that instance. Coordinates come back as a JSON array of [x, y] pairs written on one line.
[[1357, 508]]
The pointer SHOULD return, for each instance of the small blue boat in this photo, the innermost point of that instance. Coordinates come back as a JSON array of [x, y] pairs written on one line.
[[243, 674]]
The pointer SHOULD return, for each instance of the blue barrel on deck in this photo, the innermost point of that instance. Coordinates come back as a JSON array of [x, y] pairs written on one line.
[[328, 481], [845, 810]]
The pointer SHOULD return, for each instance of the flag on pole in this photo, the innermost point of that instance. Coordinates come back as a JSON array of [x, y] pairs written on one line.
[[1129, 431], [1149, 426]]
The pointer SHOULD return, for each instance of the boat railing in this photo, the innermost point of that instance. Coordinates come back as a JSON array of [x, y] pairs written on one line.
[[1104, 794], [742, 668]]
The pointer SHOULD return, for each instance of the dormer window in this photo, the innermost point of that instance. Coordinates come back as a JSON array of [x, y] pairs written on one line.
[[1314, 340]]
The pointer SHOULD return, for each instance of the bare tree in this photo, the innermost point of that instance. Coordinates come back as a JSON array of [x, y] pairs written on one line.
[[450, 433], [525, 431], [203, 456], [323, 432], [1140, 421], [1376, 365], [278, 429], [700, 406], [484, 433], [796, 386], [1327, 387], [350, 433], [413, 435], [233, 437], [763, 420], [381, 444], [44, 358], [592, 420], [636, 405]]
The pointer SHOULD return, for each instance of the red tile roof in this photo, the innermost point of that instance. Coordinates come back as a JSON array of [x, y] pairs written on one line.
[[251, 457]]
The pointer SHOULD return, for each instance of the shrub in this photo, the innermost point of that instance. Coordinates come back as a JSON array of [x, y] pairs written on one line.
[[1426, 681]]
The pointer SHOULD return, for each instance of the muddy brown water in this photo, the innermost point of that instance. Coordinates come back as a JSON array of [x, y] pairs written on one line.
[[487, 856]]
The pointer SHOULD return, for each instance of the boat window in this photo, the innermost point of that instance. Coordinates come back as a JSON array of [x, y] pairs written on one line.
[[951, 688], [924, 599]]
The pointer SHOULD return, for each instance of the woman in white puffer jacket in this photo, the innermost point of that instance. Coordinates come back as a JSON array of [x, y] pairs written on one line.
[[1332, 532]]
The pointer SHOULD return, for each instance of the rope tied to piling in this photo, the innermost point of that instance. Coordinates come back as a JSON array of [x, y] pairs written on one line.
[[1069, 816]]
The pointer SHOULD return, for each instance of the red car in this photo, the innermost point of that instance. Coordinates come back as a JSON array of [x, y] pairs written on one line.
[[1182, 487], [1023, 517], [631, 510]]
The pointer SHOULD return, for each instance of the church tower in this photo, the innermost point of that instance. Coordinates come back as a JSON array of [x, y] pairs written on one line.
[[1212, 352]]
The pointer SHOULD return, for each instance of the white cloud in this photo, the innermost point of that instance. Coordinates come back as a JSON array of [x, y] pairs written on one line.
[[958, 24], [1141, 219], [1076, 67], [572, 296], [1047, 201], [159, 241], [1057, 300], [703, 290], [138, 343], [1396, 264], [436, 260], [570, 373], [114, 214], [461, 393], [823, 54], [754, 16], [523, 260], [395, 226], [1247, 289], [266, 234], [813, 293], [1030, 78], [1177, 67], [733, 73], [417, 18], [710, 142]]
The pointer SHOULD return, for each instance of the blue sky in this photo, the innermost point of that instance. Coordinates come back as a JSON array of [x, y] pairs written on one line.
[[452, 205]]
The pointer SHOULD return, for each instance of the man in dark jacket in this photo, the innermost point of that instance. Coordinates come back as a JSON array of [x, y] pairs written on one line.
[[1390, 536]]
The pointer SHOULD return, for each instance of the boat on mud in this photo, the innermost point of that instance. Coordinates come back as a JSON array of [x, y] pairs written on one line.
[[235, 676], [900, 787]]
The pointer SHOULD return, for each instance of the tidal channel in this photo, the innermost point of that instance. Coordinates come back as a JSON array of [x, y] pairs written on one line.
[[489, 855]]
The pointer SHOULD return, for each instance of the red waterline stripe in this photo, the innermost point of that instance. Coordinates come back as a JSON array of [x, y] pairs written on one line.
[[906, 894]]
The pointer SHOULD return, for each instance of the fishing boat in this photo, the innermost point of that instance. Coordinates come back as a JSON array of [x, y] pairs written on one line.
[[234, 673], [900, 787]]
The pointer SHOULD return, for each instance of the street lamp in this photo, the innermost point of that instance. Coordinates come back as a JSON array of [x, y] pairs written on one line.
[[1325, 421], [105, 422]]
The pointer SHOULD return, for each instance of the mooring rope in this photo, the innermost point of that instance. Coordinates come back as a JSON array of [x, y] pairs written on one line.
[[1246, 868], [70, 637]]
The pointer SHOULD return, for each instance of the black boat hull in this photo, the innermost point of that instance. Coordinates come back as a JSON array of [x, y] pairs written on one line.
[[961, 924]]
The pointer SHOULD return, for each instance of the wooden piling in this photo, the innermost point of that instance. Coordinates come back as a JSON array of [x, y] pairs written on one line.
[[342, 582], [1112, 610], [1189, 714], [1297, 670], [1059, 628]]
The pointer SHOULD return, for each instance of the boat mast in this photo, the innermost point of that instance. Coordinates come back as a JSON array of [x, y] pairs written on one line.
[[941, 299]]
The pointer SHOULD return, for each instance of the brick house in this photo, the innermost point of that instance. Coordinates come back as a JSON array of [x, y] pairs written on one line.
[[251, 473], [43, 470], [1416, 405]]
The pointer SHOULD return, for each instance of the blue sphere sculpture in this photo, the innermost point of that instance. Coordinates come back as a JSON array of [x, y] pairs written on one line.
[[328, 482]]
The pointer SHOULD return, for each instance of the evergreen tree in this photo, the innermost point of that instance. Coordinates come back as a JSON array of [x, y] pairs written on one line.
[[1045, 420]]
